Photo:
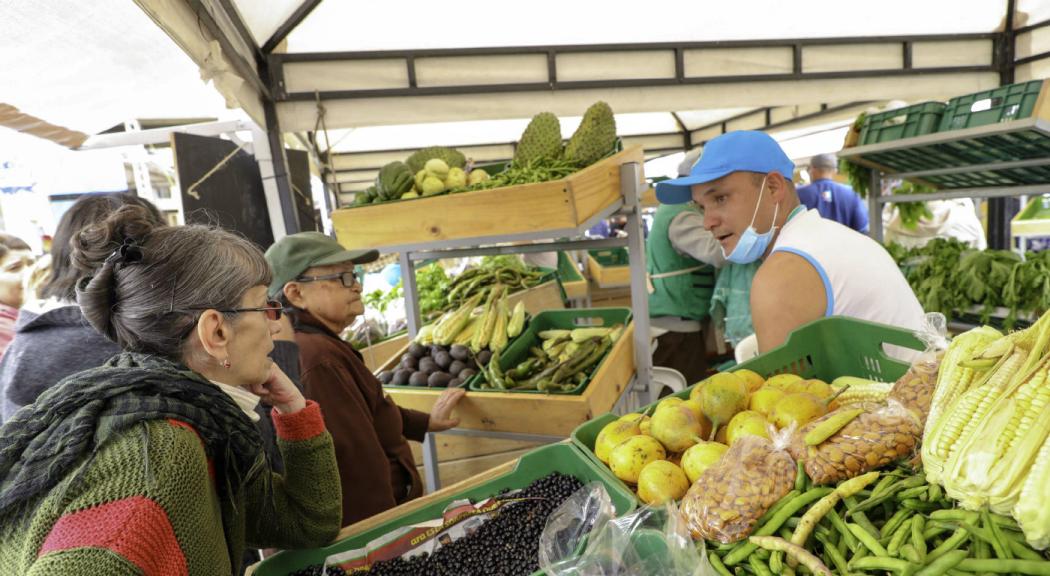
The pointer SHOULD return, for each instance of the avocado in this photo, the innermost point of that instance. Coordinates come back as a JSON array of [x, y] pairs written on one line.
[[410, 362], [417, 350], [401, 377], [456, 367], [459, 352], [455, 383], [418, 379], [439, 380], [466, 373], [385, 377], [428, 365], [483, 357], [443, 359]]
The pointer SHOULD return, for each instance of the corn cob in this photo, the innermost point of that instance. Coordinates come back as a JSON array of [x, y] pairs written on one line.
[[1031, 510], [952, 427], [499, 332], [517, 320], [954, 379], [483, 336], [448, 329], [861, 391], [426, 335], [465, 335]]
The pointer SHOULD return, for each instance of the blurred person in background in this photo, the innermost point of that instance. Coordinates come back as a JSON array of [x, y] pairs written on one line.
[[15, 259], [833, 200]]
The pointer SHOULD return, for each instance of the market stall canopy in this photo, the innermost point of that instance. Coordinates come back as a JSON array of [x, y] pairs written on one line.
[[71, 70]]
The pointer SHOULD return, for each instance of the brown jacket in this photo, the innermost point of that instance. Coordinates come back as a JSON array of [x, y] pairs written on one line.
[[375, 461]]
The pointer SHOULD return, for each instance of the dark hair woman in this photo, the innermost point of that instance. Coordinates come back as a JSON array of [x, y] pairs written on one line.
[[52, 339], [150, 463]]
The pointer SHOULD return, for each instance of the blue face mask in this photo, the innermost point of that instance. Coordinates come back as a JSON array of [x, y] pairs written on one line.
[[752, 245]]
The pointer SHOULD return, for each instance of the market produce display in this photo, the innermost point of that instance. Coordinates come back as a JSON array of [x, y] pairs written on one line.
[[949, 277], [562, 360], [508, 271], [450, 351], [507, 544], [987, 436], [539, 157], [892, 521]]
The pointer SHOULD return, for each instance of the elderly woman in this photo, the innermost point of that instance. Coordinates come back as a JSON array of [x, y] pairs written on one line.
[[315, 276], [150, 463]]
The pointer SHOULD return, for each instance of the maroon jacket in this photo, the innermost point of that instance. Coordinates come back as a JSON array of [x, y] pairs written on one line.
[[375, 461]]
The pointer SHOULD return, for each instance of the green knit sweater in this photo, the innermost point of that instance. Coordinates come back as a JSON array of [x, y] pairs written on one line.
[[147, 503]]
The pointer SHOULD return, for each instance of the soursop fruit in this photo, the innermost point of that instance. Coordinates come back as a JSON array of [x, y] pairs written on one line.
[[418, 159], [541, 140], [595, 137]]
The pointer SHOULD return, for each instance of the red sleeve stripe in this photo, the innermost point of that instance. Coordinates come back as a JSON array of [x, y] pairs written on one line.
[[302, 425], [136, 528]]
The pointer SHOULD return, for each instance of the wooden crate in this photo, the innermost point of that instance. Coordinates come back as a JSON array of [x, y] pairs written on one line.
[[556, 205], [649, 198], [608, 276], [380, 354], [552, 414], [576, 290]]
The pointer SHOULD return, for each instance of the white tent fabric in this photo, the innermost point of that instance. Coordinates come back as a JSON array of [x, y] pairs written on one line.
[[345, 25], [88, 68]]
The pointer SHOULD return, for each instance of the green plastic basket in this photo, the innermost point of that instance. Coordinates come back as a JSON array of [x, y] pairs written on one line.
[[901, 123], [567, 270], [824, 349], [1002, 104], [564, 458], [611, 257], [518, 350]]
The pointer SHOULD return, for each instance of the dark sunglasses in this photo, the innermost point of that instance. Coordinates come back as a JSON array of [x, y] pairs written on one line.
[[273, 310], [347, 278]]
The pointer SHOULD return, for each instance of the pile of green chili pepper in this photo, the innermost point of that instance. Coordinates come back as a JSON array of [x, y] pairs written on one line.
[[899, 524]]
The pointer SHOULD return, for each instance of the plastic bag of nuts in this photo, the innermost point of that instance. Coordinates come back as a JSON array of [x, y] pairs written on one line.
[[915, 389], [878, 435], [729, 497]]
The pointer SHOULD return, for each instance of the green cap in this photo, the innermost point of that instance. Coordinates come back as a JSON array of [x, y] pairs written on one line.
[[292, 255]]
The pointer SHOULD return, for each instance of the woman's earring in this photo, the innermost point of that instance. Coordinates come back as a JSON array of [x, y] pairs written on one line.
[[226, 363]]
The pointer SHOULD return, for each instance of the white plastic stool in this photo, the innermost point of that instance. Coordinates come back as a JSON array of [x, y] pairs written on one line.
[[746, 349], [663, 378]]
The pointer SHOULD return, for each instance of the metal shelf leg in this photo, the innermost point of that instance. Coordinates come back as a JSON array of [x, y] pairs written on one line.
[[630, 177]]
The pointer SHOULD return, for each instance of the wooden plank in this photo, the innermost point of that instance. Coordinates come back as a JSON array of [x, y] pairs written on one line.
[[554, 205], [378, 355], [423, 501], [608, 276], [576, 290], [452, 447], [545, 296], [459, 470]]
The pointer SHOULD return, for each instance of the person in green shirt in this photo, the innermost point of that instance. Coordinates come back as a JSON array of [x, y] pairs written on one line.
[[681, 257], [151, 464]]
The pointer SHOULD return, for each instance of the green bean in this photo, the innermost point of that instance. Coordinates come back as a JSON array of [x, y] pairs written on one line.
[[955, 515], [835, 557], [775, 522], [895, 565], [868, 540], [840, 525], [908, 552], [913, 492], [932, 531], [885, 483], [944, 563], [936, 493], [1022, 551], [918, 542], [919, 505], [894, 522], [776, 507], [1001, 549], [717, 564], [868, 504], [776, 562], [1028, 567], [981, 549], [861, 518], [956, 540], [792, 522], [800, 476], [898, 537], [757, 565], [762, 554]]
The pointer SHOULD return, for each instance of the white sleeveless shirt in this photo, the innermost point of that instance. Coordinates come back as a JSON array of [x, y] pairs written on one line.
[[860, 278]]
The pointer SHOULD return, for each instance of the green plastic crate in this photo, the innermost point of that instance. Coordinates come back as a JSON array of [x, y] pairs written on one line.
[[825, 349], [518, 350], [611, 257], [901, 123], [567, 270], [564, 458], [1001, 104]]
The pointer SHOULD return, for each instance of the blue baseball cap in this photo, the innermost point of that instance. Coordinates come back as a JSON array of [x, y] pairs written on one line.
[[743, 150]]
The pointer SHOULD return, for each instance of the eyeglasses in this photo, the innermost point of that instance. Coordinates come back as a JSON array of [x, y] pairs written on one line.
[[347, 278], [273, 310]]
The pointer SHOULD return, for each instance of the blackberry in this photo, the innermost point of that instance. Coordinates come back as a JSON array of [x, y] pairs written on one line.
[[318, 570], [507, 545]]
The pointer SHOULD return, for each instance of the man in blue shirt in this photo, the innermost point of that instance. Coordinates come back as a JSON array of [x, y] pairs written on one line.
[[834, 201]]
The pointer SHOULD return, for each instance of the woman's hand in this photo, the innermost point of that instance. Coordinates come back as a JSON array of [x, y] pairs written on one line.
[[280, 392], [441, 413]]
